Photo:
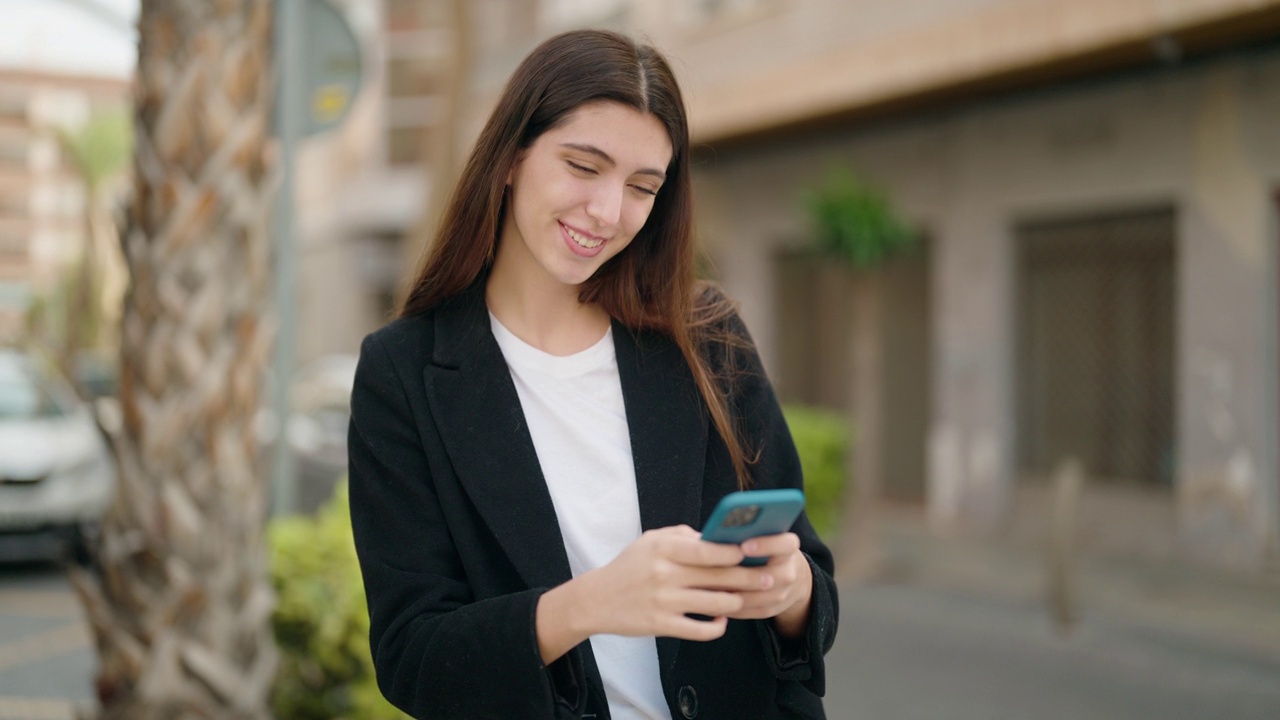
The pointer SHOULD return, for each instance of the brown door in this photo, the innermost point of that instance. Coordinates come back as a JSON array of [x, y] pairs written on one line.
[[818, 300]]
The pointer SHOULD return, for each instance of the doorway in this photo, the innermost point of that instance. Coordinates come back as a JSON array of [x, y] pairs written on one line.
[[816, 332], [1095, 346]]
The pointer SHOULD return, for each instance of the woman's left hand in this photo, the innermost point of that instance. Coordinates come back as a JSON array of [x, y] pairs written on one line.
[[786, 597]]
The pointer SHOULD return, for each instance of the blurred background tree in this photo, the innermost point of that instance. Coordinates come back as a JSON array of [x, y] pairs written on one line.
[[100, 150], [179, 600], [73, 317]]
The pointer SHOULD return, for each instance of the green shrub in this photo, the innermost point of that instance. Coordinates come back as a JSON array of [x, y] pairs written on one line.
[[321, 621], [854, 220], [821, 438]]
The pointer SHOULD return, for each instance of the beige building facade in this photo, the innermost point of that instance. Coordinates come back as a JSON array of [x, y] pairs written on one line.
[[1096, 183], [1199, 142]]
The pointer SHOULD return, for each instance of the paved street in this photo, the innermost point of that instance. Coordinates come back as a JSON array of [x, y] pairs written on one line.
[[46, 659], [914, 648]]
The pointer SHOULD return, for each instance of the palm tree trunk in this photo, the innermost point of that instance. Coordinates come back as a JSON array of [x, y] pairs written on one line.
[[180, 601]]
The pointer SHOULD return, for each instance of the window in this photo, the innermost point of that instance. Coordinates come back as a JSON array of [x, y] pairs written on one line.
[[13, 245], [1095, 353], [13, 153], [13, 107], [412, 77], [13, 203], [411, 15], [404, 145]]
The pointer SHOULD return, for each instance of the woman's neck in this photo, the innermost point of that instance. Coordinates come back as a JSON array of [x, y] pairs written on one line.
[[540, 311]]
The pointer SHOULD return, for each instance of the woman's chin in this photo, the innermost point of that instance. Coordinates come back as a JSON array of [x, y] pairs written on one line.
[[576, 273]]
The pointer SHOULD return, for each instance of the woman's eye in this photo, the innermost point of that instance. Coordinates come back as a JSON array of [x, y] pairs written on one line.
[[581, 168], [646, 190]]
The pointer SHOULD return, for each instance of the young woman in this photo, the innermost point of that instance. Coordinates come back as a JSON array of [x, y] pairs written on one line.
[[558, 405]]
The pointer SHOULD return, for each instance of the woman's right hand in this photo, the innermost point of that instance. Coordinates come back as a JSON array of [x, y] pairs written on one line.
[[648, 590]]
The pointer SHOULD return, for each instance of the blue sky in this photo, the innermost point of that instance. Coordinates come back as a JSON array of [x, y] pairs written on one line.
[[57, 36]]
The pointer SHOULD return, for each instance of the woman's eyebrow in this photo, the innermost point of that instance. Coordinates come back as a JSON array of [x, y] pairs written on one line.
[[604, 157]]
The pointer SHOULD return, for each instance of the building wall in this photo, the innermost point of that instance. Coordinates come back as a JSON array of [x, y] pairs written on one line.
[[822, 58], [1199, 137], [1228, 474], [364, 189]]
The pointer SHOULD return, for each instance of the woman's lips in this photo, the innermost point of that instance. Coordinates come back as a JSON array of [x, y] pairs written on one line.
[[582, 244]]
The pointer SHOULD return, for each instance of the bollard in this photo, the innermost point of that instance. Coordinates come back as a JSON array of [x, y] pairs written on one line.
[[1061, 590]]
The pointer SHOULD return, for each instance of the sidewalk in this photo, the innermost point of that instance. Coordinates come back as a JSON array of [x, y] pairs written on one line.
[[1150, 586], [958, 629], [46, 653]]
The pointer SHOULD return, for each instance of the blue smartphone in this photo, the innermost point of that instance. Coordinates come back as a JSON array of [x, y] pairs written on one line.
[[742, 515]]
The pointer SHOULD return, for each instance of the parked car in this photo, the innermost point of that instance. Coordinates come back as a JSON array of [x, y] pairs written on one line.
[[56, 472]]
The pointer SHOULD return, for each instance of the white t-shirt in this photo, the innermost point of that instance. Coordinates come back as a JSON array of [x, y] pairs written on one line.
[[573, 405]]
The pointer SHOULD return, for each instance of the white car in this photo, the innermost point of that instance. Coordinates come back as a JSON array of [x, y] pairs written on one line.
[[56, 473]]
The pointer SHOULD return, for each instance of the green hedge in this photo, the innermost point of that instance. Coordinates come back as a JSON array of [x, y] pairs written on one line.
[[821, 438], [321, 621]]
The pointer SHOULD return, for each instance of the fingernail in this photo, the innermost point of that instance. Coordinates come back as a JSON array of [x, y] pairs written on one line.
[[750, 546], [766, 581]]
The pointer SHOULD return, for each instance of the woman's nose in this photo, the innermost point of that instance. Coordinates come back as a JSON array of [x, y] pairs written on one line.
[[605, 205]]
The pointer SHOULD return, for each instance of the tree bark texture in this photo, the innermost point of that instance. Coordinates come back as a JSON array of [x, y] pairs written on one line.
[[180, 599]]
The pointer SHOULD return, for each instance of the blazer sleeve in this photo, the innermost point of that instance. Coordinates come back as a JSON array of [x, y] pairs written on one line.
[[438, 652], [755, 406]]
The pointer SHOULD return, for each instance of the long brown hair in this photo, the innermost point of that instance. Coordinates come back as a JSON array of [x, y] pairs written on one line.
[[650, 284]]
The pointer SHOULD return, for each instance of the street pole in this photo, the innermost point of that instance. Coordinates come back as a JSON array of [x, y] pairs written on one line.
[[288, 115]]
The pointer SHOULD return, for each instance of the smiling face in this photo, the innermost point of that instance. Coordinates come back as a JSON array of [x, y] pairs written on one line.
[[582, 191]]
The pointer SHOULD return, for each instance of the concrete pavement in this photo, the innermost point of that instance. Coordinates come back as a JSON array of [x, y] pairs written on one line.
[[46, 657], [958, 629], [911, 653], [1159, 590], [953, 630]]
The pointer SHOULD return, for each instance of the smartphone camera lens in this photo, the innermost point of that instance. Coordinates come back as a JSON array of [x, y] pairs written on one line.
[[741, 516]]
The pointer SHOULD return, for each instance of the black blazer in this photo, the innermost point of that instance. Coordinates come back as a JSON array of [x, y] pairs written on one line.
[[458, 538]]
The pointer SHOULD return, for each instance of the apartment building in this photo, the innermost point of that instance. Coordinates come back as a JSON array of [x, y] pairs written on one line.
[[42, 196]]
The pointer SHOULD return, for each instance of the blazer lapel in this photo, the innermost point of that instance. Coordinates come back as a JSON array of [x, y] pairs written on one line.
[[667, 422], [479, 417]]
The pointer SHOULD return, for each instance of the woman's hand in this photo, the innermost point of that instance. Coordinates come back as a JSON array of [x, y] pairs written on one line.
[[664, 575], [786, 592], [649, 590]]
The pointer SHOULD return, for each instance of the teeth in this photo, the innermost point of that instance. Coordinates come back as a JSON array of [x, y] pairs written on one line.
[[583, 241]]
